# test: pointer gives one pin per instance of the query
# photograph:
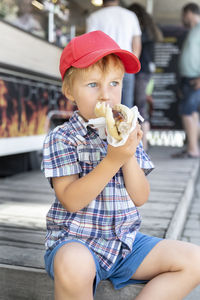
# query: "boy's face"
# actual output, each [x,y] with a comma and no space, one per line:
[95,85]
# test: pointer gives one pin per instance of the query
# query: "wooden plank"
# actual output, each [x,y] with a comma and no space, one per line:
[23,223]
[160,223]
[164,182]
[20,283]
[25,196]
[39,189]
[175,176]
[22,256]
[22,214]
[23,246]
[165,198]
[159,206]
[154,213]
[21,235]
[29,283]
[33,177]
[158,232]
[168,189]
[164,194]
[105,291]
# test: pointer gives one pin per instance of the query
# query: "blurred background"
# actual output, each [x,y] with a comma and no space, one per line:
[59,20]
[33,34]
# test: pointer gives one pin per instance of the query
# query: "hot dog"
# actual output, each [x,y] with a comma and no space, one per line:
[118,119]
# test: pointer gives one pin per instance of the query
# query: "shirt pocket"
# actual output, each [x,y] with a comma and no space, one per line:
[88,156]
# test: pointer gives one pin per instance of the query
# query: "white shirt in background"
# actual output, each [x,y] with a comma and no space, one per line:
[118,22]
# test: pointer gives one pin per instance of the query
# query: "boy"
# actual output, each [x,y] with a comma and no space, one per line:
[92,227]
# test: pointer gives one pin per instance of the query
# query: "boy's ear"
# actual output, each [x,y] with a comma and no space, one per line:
[68,94]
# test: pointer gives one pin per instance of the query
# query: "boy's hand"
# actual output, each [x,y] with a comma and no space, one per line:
[123,153]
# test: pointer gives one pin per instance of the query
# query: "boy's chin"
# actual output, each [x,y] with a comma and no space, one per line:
[87,118]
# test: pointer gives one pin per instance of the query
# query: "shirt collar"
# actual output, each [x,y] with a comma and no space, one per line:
[79,124]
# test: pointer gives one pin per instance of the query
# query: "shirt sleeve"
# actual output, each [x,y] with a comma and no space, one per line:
[136,25]
[144,160]
[59,157]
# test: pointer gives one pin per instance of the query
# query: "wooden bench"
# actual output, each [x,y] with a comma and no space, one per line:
[24,202]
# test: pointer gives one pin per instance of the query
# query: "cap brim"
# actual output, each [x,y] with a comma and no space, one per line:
[130,61]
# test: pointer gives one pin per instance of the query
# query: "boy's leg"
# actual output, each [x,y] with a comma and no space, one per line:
[74,272]
[172,268]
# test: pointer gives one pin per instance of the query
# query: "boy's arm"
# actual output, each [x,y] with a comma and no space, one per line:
[135,181]
[75,193]
[137,45]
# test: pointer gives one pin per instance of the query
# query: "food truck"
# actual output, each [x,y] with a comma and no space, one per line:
[30,93]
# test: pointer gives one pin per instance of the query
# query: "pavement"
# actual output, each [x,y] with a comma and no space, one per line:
[191,230]
[172,211]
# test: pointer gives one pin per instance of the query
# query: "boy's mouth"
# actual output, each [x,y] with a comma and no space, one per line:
[107,103]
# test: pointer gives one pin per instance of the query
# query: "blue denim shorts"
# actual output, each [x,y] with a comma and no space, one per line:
[190,101]
[123,268]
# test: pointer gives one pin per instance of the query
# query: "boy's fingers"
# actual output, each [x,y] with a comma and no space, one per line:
[140,134]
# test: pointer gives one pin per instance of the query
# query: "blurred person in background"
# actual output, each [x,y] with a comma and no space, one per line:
[190,81]
[150,35]
[122,25]
[8,10]
[26,20]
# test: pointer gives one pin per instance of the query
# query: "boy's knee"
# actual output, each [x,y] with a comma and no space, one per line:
[194,260]
[74,266]
[189,259]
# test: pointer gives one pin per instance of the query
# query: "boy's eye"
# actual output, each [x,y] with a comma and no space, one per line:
[114,83]
[92,84]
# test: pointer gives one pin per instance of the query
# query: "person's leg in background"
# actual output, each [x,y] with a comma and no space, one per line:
[199,128]
[145,128]
[189,111]
[141,82]
[191,126]
[190,118]
[128,90]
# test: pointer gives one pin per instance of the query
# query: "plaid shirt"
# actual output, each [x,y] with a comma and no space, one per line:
[107,224]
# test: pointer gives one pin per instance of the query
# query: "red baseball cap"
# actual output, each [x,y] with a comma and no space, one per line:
[86,49]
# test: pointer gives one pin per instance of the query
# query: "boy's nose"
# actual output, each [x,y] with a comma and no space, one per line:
[104,95]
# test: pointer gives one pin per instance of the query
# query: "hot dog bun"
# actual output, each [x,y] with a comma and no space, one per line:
[100,109]
[118,119]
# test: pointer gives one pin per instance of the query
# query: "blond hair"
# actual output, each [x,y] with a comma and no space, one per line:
[104,64]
